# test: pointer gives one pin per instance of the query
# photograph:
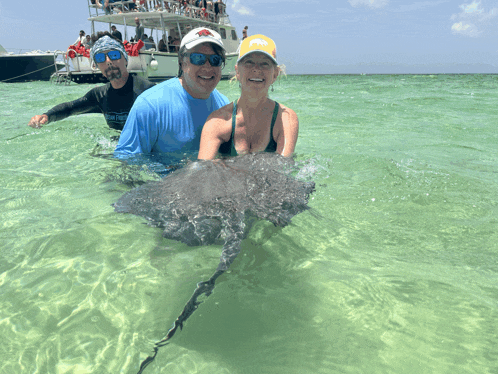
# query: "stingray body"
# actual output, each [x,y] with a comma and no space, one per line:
[206,202]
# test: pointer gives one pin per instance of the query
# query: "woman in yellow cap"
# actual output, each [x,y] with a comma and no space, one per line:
[254,122]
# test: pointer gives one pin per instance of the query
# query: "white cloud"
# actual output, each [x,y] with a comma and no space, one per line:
[236,6]
[375,4]
[466,29]
[460,27]
[245,11]
[472,7]
[473,20]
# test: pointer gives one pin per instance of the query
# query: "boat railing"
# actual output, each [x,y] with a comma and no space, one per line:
[172,7]
[61,77]
[65,58]
[95,7]
[79,62]
[74,63]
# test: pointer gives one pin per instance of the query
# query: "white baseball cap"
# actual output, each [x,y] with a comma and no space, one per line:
[201,35]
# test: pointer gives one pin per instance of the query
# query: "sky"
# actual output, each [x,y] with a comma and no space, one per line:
[313,36]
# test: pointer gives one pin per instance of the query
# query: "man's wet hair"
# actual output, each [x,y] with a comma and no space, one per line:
[182,55]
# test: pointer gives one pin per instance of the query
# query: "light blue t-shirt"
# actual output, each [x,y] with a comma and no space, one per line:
[166,118]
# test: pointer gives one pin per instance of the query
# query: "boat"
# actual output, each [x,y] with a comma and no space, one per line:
[19,66]
[152,64]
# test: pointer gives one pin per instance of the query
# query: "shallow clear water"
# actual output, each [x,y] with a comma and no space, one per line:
[394,270]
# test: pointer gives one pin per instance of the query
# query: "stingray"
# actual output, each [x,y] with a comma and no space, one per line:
[209,202]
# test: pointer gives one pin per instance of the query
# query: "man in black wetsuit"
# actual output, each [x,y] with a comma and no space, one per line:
[114,99]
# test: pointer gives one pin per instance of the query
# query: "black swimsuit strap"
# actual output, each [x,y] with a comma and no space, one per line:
[233,151]
[272,144]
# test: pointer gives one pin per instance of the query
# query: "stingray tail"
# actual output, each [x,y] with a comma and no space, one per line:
[233,239]
[206,288]
[231,249]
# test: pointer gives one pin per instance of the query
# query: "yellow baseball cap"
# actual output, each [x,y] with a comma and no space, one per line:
[258,43]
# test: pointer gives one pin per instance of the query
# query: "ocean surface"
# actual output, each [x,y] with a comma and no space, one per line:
[394,269]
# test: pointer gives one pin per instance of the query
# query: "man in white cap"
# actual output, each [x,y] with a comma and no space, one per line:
[170,116]
[114,99]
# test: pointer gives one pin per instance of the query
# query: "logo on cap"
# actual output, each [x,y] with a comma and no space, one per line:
[205,33]
[260,42]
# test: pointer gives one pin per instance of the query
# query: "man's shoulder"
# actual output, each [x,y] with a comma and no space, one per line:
[99,90]
[142,83]
[162,90]
[163,95]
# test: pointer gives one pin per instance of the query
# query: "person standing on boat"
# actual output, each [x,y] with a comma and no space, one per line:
[161,46]
[139,30]
[254,122]
[81,38]
[151,42]
[169,117]
[109,8]
[218,9]
[147,43]
[244,36]
[116,33]
[89,42]
[114,99]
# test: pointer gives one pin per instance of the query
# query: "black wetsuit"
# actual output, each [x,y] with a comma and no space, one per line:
[228,148]
[114,104]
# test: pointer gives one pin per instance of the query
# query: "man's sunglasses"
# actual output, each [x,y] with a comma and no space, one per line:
[201,58]
[113,55]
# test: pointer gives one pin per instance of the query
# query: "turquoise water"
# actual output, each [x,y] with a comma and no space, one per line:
[394,270]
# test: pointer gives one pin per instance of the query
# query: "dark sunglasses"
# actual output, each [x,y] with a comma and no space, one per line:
[201,58]
[113,55]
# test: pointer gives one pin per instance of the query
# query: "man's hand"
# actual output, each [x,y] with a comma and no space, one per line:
[38,120]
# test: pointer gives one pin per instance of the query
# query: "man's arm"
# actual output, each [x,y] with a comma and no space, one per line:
[85,104]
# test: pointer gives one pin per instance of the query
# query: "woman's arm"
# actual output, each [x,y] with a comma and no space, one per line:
[287,136]
[216,131]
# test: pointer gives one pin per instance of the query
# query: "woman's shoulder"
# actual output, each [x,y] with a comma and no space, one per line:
[219,124]
[285,109]
[287,113]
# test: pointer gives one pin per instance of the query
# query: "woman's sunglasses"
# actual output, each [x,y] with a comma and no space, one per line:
[201,58]
[113,55]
